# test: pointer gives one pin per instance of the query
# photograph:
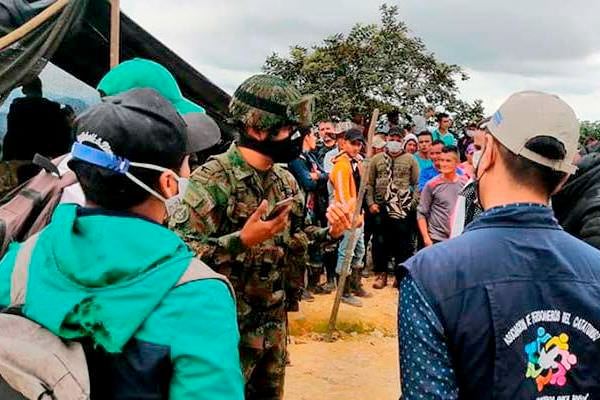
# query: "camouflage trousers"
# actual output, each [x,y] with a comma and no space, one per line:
[263,351]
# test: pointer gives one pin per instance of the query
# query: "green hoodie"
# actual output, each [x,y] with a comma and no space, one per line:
[111,276]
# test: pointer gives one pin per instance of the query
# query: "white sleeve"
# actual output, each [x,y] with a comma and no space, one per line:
[457,218]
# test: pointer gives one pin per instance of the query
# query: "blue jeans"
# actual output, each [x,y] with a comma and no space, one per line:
[358,252]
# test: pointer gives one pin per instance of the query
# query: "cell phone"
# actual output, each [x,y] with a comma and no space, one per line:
[278,208]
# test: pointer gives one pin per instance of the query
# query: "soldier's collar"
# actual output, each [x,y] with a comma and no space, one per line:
[241,169]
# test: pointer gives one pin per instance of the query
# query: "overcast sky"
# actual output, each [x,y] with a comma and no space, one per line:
[505,46]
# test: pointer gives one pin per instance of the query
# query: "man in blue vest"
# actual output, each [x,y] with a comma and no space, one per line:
[508,310]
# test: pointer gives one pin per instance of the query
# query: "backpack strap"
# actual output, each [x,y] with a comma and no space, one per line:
[198,271]
[20,273]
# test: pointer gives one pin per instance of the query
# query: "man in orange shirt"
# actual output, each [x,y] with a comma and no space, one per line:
[345,178]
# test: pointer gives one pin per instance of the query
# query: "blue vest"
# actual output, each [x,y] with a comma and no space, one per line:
[519,300]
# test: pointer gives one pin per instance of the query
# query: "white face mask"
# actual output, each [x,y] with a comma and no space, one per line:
[470,133]
[394,147]
[120,165]
[173,203]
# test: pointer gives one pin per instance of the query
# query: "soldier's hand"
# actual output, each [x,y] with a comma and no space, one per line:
[339,217]
[256,231]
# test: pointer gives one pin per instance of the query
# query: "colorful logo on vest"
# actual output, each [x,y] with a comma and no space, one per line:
[549,359]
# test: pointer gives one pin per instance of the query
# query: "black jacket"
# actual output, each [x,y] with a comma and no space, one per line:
[577,205]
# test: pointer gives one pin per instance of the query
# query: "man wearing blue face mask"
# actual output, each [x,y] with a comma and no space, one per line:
[391,193]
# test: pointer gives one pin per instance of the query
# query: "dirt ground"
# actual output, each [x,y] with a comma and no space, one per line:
[361,364]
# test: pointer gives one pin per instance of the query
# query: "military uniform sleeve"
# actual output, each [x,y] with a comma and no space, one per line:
[201,224]
[302,235]
[306,233]
[297,244]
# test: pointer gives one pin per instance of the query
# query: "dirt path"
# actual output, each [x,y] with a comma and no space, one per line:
[361,364]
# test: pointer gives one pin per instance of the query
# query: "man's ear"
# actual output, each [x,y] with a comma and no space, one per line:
[168,185]
[490,155]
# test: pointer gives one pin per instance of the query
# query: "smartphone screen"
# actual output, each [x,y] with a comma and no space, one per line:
[278,208]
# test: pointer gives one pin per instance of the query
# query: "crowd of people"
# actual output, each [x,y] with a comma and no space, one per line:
[412,187]
[175,270]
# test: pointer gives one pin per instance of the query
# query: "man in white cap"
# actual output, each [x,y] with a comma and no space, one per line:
[509,309]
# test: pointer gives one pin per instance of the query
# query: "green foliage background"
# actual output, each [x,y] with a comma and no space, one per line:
[589,129]
[378,65]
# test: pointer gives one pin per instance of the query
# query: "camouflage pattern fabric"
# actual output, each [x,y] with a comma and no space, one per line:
[264,102]
[221,195]
[264,359]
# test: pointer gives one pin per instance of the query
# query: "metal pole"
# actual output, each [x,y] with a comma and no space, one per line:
[115,32]
[353,237]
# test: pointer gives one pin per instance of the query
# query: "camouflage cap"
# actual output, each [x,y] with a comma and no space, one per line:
[266,101]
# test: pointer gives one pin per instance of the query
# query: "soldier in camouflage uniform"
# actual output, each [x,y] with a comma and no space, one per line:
[226,201]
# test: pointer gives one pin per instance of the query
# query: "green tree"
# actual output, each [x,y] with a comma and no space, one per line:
[589,129]
[378,65]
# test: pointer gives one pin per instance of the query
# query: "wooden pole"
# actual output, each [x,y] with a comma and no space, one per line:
[115,32]
[32,24]
[353,233]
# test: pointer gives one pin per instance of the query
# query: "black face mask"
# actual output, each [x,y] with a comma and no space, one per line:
[282,151]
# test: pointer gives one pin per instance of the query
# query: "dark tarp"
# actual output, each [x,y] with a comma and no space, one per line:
[25,58]
[85,52]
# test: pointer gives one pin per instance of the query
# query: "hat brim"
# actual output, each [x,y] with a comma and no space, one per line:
[352,140]
[185,106]
[202,132]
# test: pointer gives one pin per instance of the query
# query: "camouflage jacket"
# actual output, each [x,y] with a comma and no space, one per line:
[221,195]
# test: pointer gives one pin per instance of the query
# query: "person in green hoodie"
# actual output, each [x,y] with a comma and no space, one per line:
[108,274]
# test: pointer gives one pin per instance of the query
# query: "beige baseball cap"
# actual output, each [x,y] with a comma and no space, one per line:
[528,114]
[378,142]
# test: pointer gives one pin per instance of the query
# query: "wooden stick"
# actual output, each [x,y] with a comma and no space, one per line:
[32,24]
[353,233]
[115,32]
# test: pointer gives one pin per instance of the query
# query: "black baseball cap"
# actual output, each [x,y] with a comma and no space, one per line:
[395,131]
[353,135]
[139,125]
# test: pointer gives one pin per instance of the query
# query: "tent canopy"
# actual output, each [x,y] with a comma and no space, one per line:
[86,56]
[85,51]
